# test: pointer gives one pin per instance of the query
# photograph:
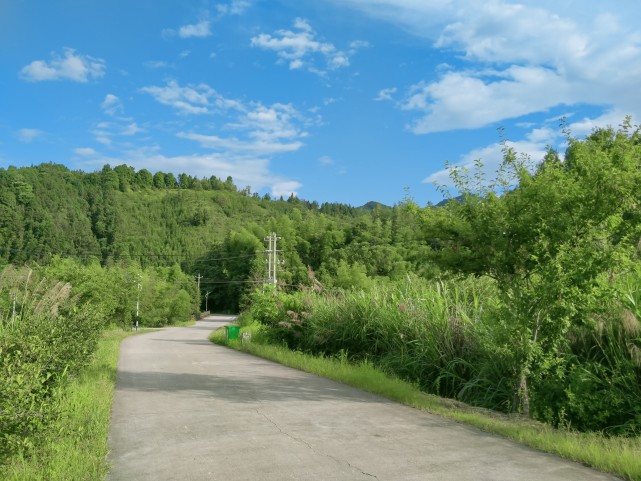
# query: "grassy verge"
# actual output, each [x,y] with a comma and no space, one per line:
[619,456]
[75,447]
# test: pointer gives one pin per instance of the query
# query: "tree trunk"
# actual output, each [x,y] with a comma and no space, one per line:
[524,397]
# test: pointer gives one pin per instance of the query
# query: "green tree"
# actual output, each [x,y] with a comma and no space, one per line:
[551,237]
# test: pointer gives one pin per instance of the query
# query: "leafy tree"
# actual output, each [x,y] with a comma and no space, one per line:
[170,181]
[159,180]
[126,176]
[552,243]
[144,179]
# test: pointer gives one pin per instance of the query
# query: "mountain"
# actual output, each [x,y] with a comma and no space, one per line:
[207,226]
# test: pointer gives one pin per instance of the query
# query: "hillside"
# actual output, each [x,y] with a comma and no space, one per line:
[122,216]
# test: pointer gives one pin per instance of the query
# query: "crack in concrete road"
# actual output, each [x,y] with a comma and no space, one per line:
[305,443]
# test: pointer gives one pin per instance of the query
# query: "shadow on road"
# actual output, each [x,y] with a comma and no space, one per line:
[238,389]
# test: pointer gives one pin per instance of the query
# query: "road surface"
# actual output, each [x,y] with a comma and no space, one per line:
[188,410]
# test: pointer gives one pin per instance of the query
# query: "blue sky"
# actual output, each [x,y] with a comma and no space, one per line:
[334,100]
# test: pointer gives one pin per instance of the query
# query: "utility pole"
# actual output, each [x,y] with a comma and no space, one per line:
[138,300]
[272,257]
[198,278]
[275,256]
[269,258]
[206,299]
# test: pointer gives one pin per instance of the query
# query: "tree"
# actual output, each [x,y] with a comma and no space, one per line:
[551,236]
[144,179]
[159,180]
[126,176]
[170,181]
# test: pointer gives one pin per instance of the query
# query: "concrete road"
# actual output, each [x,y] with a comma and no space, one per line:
[186,409]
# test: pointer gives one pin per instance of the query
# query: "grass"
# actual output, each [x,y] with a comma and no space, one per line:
[75,446]
[616,455]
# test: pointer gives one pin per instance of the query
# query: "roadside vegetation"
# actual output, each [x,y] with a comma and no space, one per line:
[520,294]
[58,348]
[530,307]
[409,350]
[74,444]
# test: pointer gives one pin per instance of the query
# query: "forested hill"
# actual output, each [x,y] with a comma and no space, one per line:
[208,226]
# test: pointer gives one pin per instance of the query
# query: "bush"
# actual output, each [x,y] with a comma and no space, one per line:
[49,337]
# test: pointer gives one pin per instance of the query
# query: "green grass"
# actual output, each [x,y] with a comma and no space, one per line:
[615,455]
[75,446]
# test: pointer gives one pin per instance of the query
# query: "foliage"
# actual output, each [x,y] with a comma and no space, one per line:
[49,330]
[48,336]
[554,236]
[537,310]
[208,226]
[74,445]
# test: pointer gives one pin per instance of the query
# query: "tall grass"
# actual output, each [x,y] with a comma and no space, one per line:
[453,338]
[431,333]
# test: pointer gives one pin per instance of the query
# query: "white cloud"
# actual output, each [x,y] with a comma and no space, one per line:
[612,118]
[29,135]
[271,123]
[266,131]
[298,48]
[104,140]
[196,99]
[356,45]
[469,100]
[286,189]
[235,7]
[520,58]
[201,29]
[156,64]
[131,129]
[385,94]
[534,146]
[69,66]
[85,151]
[326,160]
[112,105]
[260,132]
[233,144]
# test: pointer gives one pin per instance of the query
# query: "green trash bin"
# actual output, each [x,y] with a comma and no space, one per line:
[232,332]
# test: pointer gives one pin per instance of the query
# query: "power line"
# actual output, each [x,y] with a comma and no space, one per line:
[119,255]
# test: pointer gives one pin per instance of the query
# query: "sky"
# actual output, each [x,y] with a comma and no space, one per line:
[332,100]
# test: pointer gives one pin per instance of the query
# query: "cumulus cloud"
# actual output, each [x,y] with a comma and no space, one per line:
[85,151]
[465,100]
[226,144]
[300,47]
[385,94]
[201,29]
[29,135]
[235,7]
[518,58]
[112,105]
[131,129]
[266,131]
[192,99]
[286,189]
[68,66]
[258,133]
[534,147]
